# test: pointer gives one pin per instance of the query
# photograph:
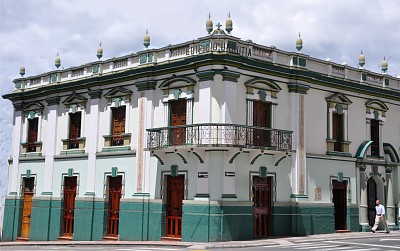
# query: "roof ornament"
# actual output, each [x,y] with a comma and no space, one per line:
[209,24]
[99,52]
[146,39]
[299,43]
[384,65]
[361,60]
[229,24]
[22,71]
[57,62]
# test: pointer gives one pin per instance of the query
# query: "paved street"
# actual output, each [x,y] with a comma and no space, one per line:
[97,248]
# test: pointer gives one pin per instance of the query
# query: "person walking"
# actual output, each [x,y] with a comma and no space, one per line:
[380,216]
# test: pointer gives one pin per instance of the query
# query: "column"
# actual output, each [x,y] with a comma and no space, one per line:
[16,148]
[202,188]
[50,147]
[364,223]
[228,178]
[229,99]
[297,118]
[203,109]
[91,143]
[390,208]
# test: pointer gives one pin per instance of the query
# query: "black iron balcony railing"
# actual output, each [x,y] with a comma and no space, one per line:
[213,135]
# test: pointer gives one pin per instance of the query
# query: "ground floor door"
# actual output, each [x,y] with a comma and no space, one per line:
[114,197]
[175,195]
[340,204]
[69,206]
[262,194]
[371,190]
[27,207]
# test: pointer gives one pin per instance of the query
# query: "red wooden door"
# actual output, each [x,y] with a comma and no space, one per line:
[262,194]
[261,114]
[32,134]
[114,197]
[178,117]
[27,208]
[175,194]
[69,205]
[74,129]
[339,203]
[118,125]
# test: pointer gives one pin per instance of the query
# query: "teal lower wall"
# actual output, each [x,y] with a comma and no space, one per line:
[145,220]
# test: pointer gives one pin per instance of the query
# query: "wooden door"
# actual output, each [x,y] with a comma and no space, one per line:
[262,194]
[261,113]
[340,204]
[114,197]
[32,134]
[27,208]
[337,124]
[178,118]
[175,194]
[371,190]
[69,205]
[74,129]
[118,125]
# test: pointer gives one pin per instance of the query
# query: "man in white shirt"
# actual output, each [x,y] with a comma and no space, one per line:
[380,216]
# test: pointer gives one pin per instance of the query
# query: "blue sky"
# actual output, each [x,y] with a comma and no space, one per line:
[33,32]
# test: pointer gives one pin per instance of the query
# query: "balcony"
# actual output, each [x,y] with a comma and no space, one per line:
[219,135]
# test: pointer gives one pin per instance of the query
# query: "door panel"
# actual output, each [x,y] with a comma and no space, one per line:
[74,129]
[178,117]
[118,125]
[337,131]
[339,201]
[175,195]
[371,190]
[114,197]
[32,134]
[262,194]
[261,113]
[27,208]
[69,205]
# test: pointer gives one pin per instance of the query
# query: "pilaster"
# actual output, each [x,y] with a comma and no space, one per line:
[390,207]
[204,111]
[364,223]
[16,149]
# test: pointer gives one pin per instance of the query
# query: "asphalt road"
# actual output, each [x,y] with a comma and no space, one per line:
[385,243]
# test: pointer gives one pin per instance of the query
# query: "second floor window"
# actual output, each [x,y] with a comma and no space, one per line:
[261,118]
[178,118]
[74,129]
[337,131]
[32,134]
[375,137]
[118,125]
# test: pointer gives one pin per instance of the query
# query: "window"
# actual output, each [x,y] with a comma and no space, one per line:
[337,124]
[375,137]
[337,116]
[261,119]
[118,125]
[74,129]
[178,118]
[32,134]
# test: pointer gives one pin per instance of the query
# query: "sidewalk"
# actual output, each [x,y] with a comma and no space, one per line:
[208,245]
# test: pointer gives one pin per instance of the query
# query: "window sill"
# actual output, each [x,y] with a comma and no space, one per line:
[341,154]
[116,148]
[72,151]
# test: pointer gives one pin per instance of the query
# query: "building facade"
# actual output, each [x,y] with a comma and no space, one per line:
[211,140]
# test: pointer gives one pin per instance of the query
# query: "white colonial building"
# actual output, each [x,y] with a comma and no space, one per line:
[209,140]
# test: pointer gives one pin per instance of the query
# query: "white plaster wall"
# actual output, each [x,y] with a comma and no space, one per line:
[319,172]
[37,168]
[216,99]
[62,127]
[391,127]
[125,164]
[282,109]
[357,125]
[61,167]
[316,121]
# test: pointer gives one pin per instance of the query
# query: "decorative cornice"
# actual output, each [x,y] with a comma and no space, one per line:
[95,94]
[146,85]
[298,87]
[18,106]
[206,75]
[53,101]
[230,76]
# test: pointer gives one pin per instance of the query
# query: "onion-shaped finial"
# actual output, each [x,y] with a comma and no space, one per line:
[361,60]
[99,52]
[57,62]
[384,65]
[209,24]
[299,43]
[229,24]
[146,40]
[22,71]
